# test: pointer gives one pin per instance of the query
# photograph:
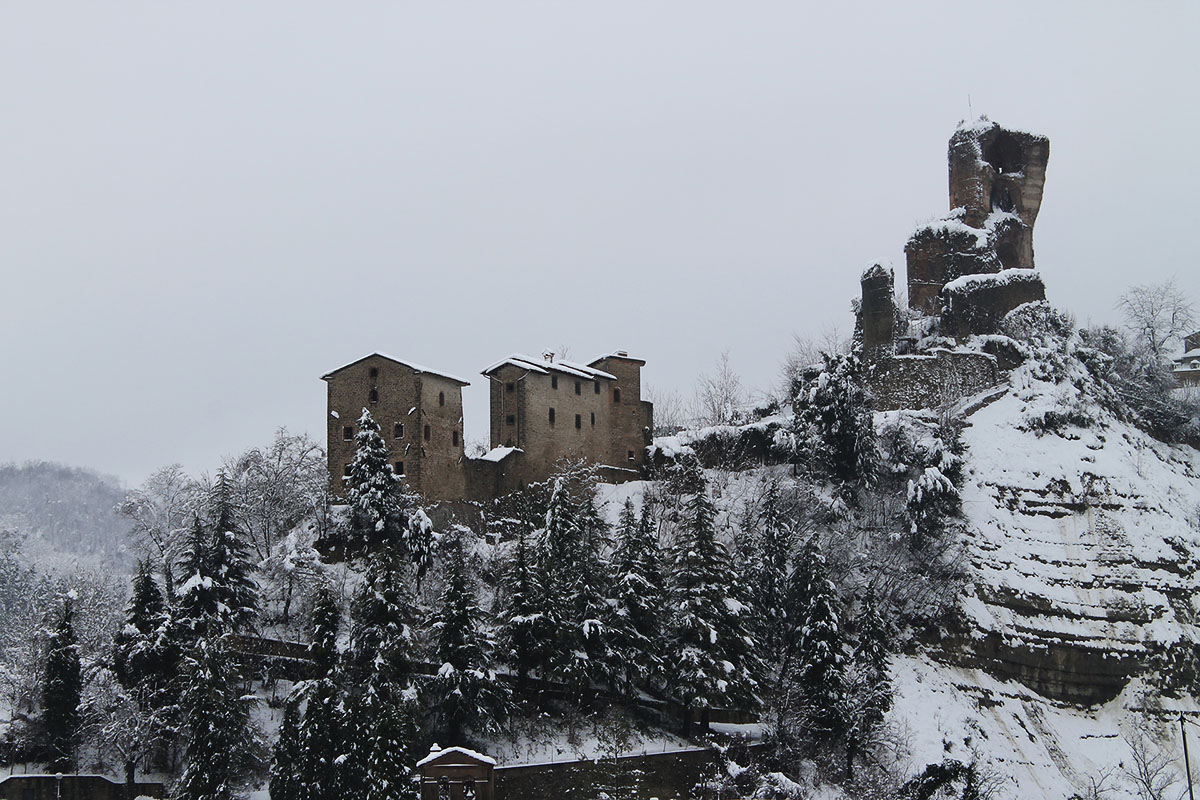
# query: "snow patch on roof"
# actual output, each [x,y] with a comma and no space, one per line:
[968,282]
[413,366]
[435,754]
[499,453]
[544,367]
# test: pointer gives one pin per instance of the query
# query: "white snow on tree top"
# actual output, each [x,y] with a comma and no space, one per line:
[462,751]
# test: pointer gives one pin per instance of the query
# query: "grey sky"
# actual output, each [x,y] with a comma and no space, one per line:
[205,206]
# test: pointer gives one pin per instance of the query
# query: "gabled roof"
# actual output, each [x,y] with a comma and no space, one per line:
[1189,355]
[621,354]
[402,362]
[459,752]
[544,367]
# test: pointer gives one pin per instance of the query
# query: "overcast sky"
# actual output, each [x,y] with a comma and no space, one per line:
[206,206]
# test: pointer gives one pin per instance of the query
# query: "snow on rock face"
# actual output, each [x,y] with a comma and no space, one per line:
[1081,541]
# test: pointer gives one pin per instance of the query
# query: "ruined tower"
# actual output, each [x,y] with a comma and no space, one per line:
[996,181]
[877,313]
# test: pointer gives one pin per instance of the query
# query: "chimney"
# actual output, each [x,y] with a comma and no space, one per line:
[623,353]
[549,356]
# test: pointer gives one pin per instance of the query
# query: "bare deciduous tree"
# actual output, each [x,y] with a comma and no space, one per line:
[1157,314]
[719,395]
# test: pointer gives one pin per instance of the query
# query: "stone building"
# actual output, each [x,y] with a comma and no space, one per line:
[1187,366]
[542,411]
[420,415]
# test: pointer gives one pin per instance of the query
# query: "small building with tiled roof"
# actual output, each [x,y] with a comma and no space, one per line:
[1187,366]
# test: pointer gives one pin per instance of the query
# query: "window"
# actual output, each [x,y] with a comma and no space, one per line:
[511,419]
[553,381]
[455,436]
[595,387]
[552,416]
[374,372]
[578,421]
[348,433]
[374,395]
[631,457]
[510,387]
[399,467]
[441,398]
[427,433]
[616,395]
[578,387]
[398,430]
[346,471]
[593,419]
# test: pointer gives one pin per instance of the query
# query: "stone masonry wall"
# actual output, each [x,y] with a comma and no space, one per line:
[929,381]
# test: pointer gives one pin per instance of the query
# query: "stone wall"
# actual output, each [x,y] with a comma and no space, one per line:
[929,381]
[72,787]
[938,253]
[877,313]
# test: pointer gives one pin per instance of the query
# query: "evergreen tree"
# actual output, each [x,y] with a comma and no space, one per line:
[869,684]
[138,656]
[380,723]
[559,570]
[382,510]
[197,604]
[287,754]
[522,622]
[834,425]
[711,655]
[230,563]
[769,573]
[326,619]
[61,688]
[815,683]
[223,748]
[637,598]
[465,689]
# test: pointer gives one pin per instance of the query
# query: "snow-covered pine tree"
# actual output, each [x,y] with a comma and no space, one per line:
[286,755]
[592,610]
[231,564]
[710,655]
[381,509]
[196,593]
[223,748]
[869,684]
[137,655]
[306,764]
[559,544]
[61,688]
[834,427]
[638,601]
[465,689]
[522,626]
[380,723]
[769,576]
[815,681]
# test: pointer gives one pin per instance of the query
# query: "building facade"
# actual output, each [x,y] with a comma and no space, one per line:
[542,412]
[1187,366]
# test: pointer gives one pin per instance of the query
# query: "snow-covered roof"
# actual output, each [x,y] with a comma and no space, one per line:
[462,751]
[403,362]
[545,367]
[968,282]
[499,453]
[1189,355]
[621,354]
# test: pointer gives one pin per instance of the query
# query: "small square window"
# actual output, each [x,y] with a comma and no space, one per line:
[578,387]
[455,437]
[427,433]
[374,395]
[616,395]
[595,387]
[399,467]
[346,471]
[578,421]
[398,430]
[347,433]
[552,416]
[553,381]
[511,419]
[510,387]
[374,372]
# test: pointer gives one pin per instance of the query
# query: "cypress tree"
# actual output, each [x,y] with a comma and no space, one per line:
[61,688]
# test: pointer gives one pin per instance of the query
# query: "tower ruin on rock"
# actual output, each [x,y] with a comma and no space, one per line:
[966,272]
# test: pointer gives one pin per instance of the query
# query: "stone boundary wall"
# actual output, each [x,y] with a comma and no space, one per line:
[72,787]
[929,381]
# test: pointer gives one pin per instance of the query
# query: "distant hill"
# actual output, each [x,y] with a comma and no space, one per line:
[69,509]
